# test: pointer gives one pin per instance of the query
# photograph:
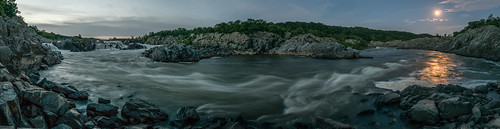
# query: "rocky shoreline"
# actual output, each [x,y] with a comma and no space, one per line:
[482,42]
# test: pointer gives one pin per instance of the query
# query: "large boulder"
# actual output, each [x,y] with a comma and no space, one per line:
[175,52]
[140,111]
[424,111]
[77,44]
[187,115]
[49,85]
[10,110]
[71,118]
[38,122]
[453,107]
[48,100]
[101,110]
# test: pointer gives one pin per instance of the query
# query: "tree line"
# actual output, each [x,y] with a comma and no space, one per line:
[362,34]
[481,23]
[8,8]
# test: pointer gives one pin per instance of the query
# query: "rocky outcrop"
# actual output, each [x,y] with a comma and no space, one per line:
[140,111]
[218,44]
[77,44]
[176,52]
[482,42]
[318,47]
[21,49]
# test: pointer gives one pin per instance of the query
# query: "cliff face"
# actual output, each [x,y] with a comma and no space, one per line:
[21,49]
[481,42]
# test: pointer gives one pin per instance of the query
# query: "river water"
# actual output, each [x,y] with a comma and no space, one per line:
[266,88]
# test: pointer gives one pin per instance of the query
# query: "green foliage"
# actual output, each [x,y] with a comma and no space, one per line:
[364,35]
[48,35]
[481,23]
[8,8]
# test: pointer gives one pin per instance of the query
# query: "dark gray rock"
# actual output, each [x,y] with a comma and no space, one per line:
[32,111]
[450,89]
[176,52]
[71,118]
[326,123]
[79,95]
[5,75]
[103,101]
[62,126]
[134,46]
[101,110]
[103,121]
[77,44]
[483,89]
[187,115]
[89,125]
[49,85]
[10,110]
[50,117]
[494,104]
[424,111]
[453,107]
[415,90]
[140,111]
[48,100]
[38,122]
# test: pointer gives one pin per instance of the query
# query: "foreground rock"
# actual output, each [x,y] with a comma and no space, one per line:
[446,106]
[176,52]
[481,42]
[139,111]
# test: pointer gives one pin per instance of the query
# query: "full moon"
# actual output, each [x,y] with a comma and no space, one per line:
[437,12]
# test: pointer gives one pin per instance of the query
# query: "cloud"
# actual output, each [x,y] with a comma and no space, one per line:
[470,5]
[410,21]
[433,20]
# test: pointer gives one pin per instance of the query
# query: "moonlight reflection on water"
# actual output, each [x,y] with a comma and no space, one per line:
[440,68]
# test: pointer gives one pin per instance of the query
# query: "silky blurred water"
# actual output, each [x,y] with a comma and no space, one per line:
[264,87]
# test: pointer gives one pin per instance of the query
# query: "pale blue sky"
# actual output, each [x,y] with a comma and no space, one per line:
[136,18]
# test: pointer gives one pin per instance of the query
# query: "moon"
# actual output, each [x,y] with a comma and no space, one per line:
[437,12]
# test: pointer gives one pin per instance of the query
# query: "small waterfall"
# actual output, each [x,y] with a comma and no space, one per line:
[111,45]
[50,46]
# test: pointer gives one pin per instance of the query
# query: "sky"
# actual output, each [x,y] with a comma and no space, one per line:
[93,18]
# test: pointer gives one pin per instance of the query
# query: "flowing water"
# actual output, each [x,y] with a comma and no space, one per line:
[266,88]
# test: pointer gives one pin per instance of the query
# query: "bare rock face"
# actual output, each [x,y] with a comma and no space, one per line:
[482,42]
[318,47]
[21,48]
[10,110]
[176,52]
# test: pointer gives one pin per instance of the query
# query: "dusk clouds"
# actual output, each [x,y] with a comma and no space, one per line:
[136,18]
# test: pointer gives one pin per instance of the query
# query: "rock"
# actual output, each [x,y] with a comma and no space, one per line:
[50,117]
[387,99]
[415,90]
[48,100]
[62,126]
[79,95]
[38,122]
[140,111]
[424,111]
[5,75]
[463,118]
[366,112]
[89,125]
[134,46]
[483,89]
[453,107]
[476,112]
[101,110]
[176,52]
[77,44]
[103,101]
[325,123]
[187,115]
[32,111]
[450,89]
[318,47]
[10,110]
[71,118]
[494,104]
[480,42]
[103,121]
[49,85]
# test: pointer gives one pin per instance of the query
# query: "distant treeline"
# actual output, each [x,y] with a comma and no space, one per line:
[364,35]
[481,23]
[50,35]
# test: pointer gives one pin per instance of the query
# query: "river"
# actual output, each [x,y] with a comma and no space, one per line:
[263,87]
